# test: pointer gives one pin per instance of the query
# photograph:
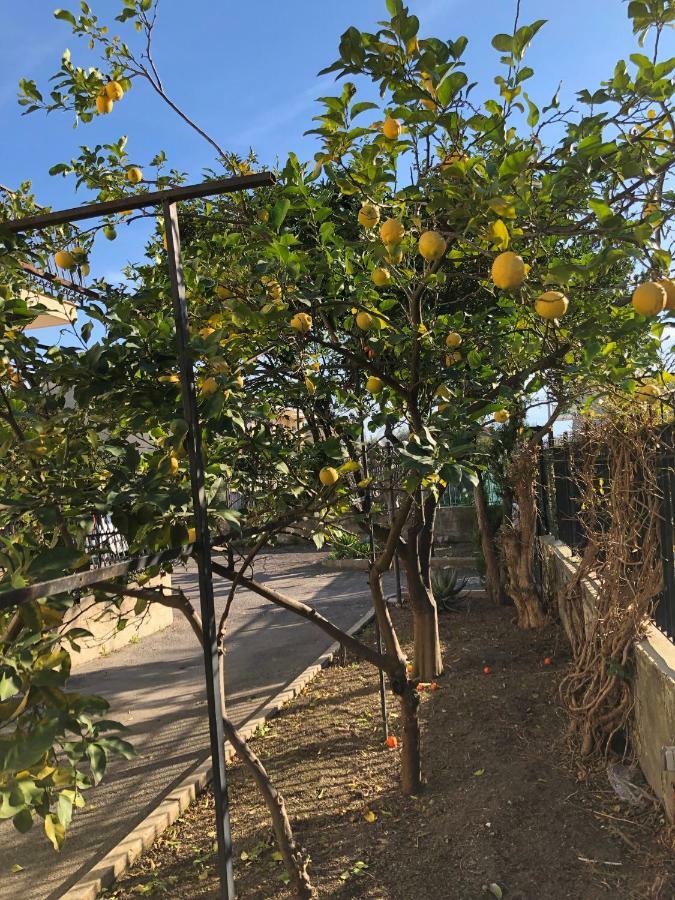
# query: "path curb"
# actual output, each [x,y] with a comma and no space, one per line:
[123,855]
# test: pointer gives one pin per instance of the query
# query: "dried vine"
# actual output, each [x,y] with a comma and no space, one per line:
[615,468]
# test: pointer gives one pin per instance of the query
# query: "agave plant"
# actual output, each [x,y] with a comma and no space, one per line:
[447,589]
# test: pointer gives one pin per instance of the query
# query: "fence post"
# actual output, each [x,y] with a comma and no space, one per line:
[664,614]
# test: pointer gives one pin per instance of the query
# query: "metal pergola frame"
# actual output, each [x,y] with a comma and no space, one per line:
[168,200]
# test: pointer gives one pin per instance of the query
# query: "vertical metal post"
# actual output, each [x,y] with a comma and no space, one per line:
[392,509]
[371,541]
[203,551]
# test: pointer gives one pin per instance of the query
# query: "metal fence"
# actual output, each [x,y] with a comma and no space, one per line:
[560,510]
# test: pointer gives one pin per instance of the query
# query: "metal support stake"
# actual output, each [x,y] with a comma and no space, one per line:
[203,551]
[392,510]
[371,541]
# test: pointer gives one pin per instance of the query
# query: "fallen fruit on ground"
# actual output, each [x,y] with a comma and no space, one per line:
[380,276]
[134,175]
[432,245]
[364,320]
[114,90]
[328,476]
[392,742]
[548,661]
[453,340]
[508,270]
[391,129]
[374,384]
[369,215]
[487,670]
[551,305]
[301,322]
[649,298]
[392,232]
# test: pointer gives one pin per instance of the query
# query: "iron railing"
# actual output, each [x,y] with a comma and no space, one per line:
[560,509]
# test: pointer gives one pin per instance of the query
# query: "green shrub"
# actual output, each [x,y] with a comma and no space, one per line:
[345,545]
[447,589]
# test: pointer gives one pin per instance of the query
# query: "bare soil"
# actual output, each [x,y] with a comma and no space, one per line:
[505,809]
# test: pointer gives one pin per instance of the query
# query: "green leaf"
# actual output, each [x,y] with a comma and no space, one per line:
[21,751]
[450,86]
[279,213]
[515,163]
[395,7]
[23,821]
[503,43]
[10,684]
[97,761]
[65,16]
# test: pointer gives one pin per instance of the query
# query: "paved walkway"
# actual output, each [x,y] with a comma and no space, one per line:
[156,688]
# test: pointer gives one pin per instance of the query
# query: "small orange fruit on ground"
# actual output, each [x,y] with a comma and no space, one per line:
[649,298]
[391,129]
[104,105]
[423,685]
[551,305]
[328,476]
[487,670]
[433,686]
[508,270]
[114,90]
[392,742]
[548,660]
[134,175]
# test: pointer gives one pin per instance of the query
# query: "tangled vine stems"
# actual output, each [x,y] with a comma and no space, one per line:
[616,470]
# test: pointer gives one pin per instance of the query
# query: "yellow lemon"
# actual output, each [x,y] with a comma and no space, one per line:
[364,320]
[369,215]
[391,129]
[380,276]
[169,379]
[392,232]
[104,105]
[114,90]
[209,386]
[328,476]
[453,340]
[301,322]
[669,287]
[501,416]
[174,465]
[508,270]
[374,384]
[64,259]
[649,298]
[432,245]
[134,175]
[551,305]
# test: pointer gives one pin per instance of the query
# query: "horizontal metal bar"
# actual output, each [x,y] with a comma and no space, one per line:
[140,201]
[87,578]
[60,282]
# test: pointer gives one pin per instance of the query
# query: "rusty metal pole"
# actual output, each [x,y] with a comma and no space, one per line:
[202,551]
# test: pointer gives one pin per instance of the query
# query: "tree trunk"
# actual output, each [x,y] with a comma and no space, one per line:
[493,577]
[411,760]
[518,535]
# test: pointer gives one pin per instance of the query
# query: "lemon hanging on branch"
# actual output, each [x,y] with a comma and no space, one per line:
[364,320]
[392,232]
[669,287]
[501,416]
[508,270]
[104,105]
[432,245]
[649,298]
[134,175]
[391,129]
[328,476]
[301,322]
[551,305]
[453,340]
[380,276]
[369,215]
[374,384]
[114,90]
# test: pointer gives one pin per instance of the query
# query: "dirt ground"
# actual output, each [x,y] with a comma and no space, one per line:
[506,812]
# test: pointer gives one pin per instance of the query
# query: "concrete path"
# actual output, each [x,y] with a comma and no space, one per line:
[156,688]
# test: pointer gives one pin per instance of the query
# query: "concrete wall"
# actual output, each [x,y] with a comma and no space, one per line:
[654,683]
[102,620]
[456,524]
